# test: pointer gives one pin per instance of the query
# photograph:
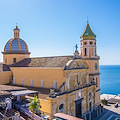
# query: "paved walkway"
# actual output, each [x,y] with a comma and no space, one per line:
[110,113]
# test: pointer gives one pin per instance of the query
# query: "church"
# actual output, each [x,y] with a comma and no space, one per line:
[67,84]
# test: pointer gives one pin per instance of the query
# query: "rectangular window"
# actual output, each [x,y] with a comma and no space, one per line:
[5,60]
[31,82]
[42,83]
[14,60]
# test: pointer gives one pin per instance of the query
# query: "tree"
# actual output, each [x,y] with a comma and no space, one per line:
[34,105]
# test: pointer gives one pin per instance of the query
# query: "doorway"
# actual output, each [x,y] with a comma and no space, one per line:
[78,108]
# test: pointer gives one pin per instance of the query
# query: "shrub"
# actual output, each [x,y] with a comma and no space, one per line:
[104,102]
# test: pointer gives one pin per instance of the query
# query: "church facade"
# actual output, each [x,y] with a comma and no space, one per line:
[68,84]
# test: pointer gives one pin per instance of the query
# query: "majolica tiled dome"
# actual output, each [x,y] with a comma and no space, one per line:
[16,44]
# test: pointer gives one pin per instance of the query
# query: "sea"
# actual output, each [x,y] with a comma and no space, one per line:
[110,79]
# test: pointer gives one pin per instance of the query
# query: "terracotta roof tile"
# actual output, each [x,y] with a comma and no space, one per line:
[4,67]
[57,61]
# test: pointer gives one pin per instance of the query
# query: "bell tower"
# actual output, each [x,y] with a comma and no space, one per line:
[89,53]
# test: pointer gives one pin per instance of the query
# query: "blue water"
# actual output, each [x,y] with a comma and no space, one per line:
[110,79]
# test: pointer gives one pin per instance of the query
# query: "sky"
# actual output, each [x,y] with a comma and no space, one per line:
[53,27]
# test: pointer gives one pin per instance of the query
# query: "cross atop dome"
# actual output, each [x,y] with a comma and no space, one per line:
[76,46]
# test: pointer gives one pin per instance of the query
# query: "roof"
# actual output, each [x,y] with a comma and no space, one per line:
[9,113]
[88,33]
[10,88]
[107,96]
[4,93]
[16,44]
[4,67]
[40,90]
[57,61]
[66,117]
[43,96]
[113,100]
[23,92]
[63,62]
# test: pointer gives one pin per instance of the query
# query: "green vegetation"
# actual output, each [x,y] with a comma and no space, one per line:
[104,102]
[34,105]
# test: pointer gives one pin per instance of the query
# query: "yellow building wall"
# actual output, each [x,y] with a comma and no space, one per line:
[51,105]
[74,76]
[45,105]
[91,64]
[49,75]
[10,57]
[5,77]
[97,98]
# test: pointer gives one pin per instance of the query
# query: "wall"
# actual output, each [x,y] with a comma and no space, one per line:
[5,77]
[97,98]
[76,78]
[10,57]
[51,105]
[91,64]
[49,75]
[89,47]
[45,105]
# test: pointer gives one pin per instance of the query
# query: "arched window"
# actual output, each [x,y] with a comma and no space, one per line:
[85,51]
[96,82]
[91,42]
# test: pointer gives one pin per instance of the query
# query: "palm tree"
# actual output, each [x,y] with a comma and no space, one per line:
[34,105]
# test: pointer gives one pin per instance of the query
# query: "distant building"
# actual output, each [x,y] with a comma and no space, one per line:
[75,79]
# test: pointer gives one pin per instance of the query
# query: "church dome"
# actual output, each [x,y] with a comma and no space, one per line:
[16,44]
